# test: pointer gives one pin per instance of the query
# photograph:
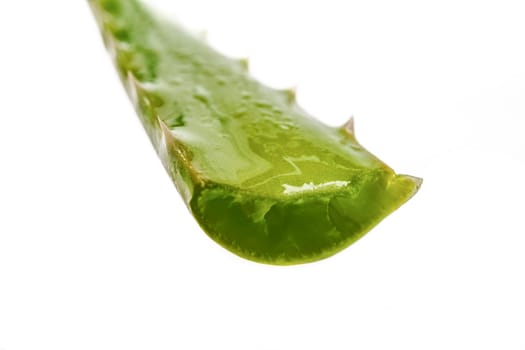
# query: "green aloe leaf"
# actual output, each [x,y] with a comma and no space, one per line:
[262,177]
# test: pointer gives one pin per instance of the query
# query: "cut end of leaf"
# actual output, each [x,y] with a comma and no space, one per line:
[316,223]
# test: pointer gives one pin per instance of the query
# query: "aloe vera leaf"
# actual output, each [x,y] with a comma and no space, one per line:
[262,177]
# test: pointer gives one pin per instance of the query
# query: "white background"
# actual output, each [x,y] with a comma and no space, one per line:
[97,250]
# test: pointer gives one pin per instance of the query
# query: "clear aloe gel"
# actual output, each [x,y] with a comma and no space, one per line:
[263,178]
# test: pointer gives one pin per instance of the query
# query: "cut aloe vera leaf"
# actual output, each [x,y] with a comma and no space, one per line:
[262,177]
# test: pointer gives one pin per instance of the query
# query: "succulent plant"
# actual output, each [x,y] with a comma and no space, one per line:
[263,178]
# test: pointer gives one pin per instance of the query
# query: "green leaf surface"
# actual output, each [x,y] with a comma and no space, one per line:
[263,178]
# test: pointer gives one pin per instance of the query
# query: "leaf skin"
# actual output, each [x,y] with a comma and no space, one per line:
[263,178]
